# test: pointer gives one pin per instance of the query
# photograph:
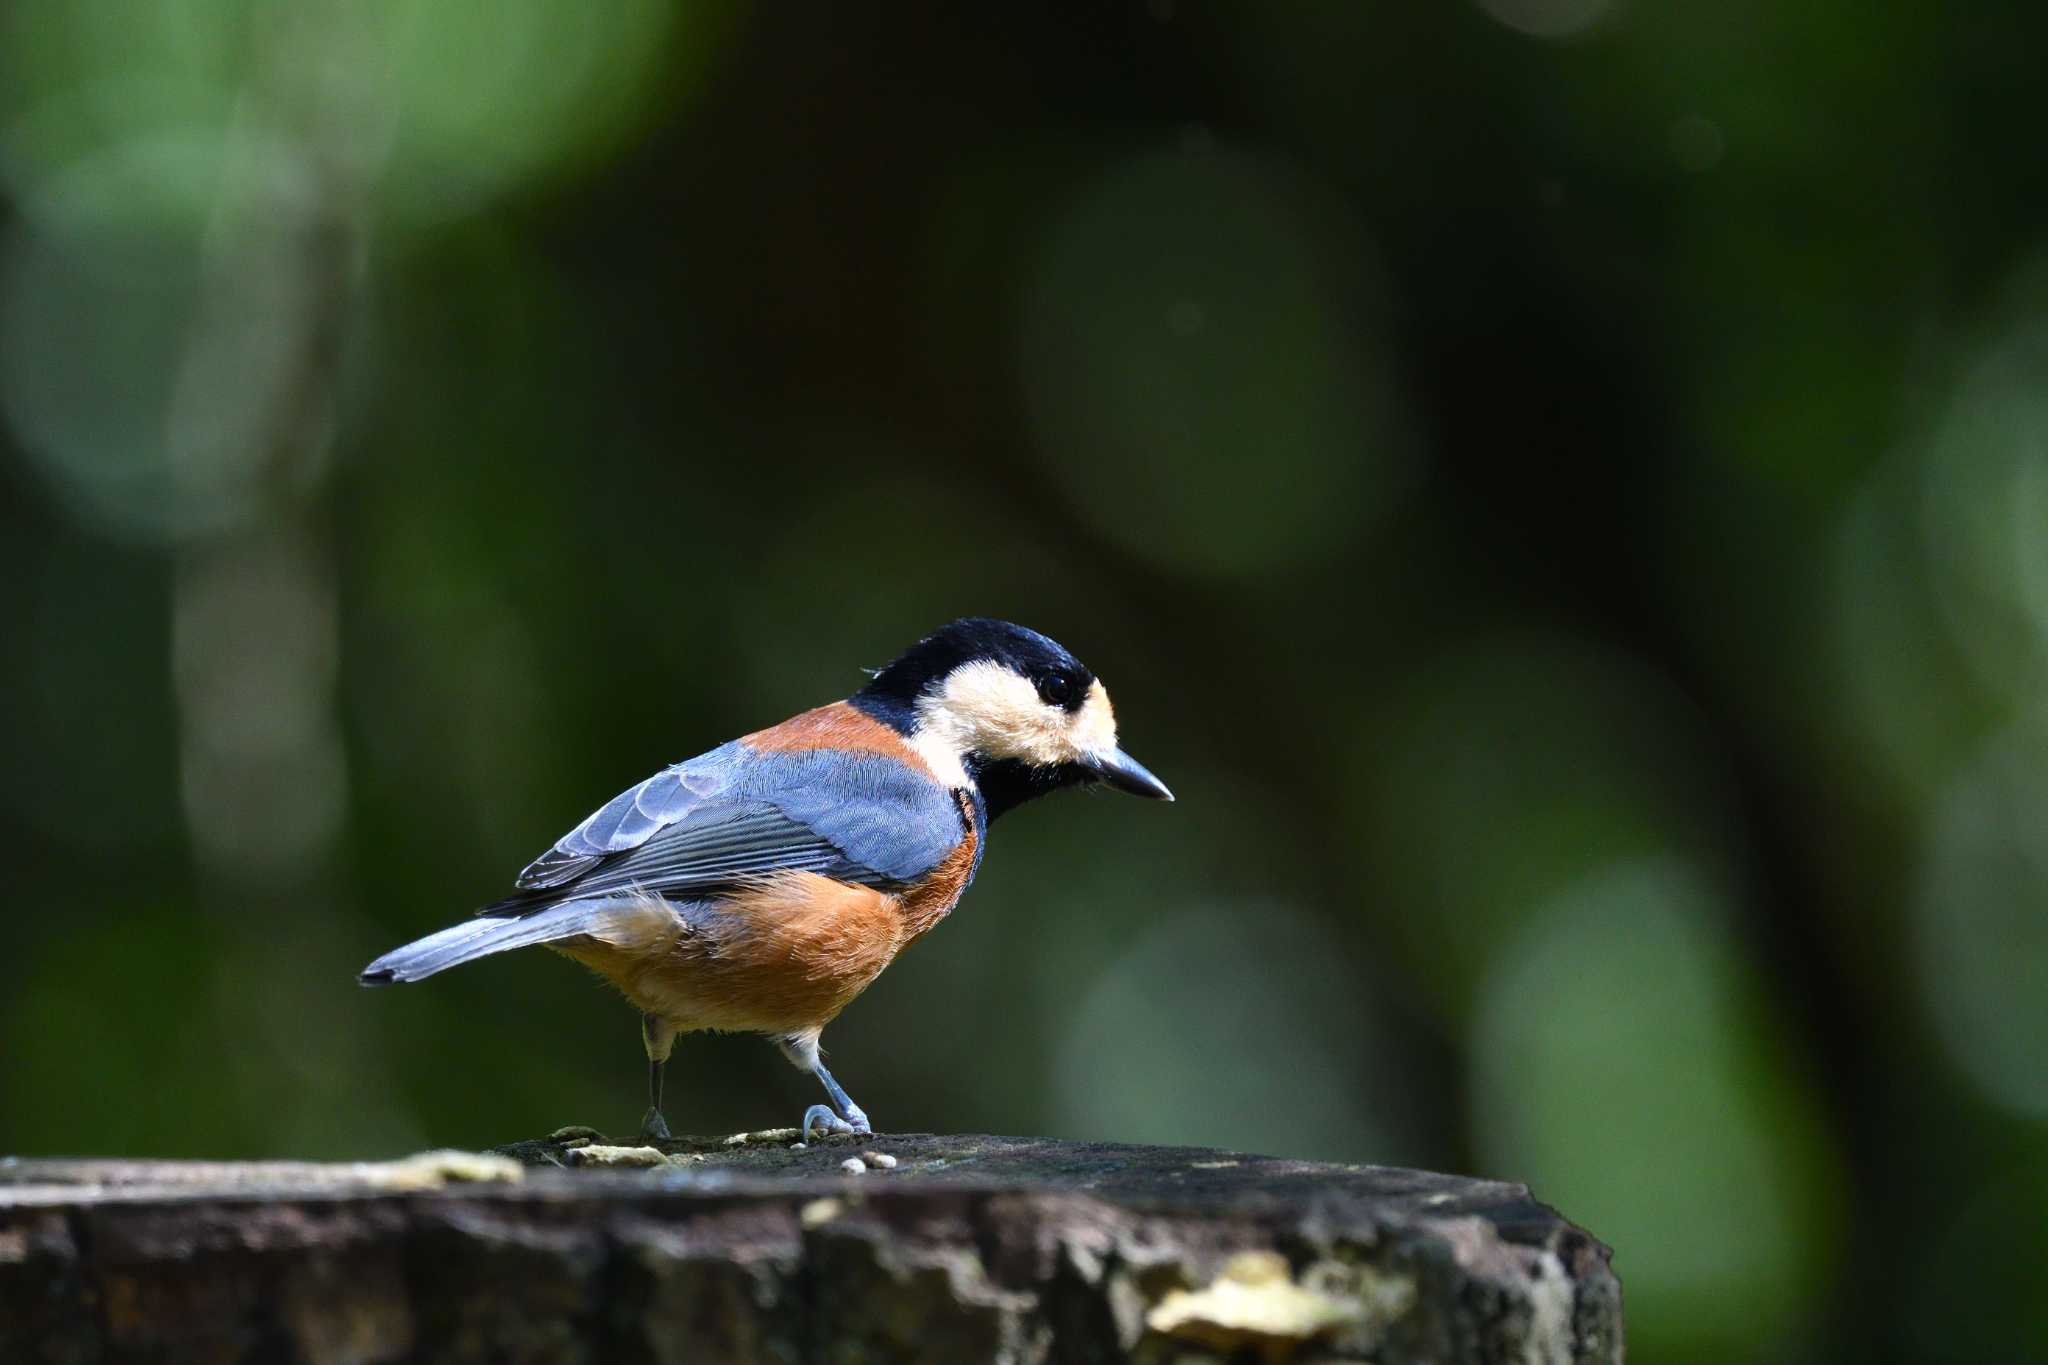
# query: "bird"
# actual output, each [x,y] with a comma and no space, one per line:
[764,884]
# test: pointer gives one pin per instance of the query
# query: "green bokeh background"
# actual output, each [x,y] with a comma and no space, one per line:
[1557,487]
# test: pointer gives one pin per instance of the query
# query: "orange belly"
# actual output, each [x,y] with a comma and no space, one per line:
[783,957]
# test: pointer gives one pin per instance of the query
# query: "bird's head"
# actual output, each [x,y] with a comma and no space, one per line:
[1008,709]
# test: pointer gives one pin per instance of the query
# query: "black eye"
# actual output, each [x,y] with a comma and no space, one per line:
[1055,689]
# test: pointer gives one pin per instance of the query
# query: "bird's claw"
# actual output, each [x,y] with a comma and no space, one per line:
[823,1118]
[818,1115]
[654,1127]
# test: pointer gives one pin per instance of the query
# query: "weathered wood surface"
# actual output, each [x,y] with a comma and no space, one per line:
[970,1249]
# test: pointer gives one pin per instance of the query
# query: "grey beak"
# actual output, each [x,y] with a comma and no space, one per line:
[1118,769]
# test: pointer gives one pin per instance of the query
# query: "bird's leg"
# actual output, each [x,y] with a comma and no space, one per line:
[844,1116]
[856,1119]
[660,1038]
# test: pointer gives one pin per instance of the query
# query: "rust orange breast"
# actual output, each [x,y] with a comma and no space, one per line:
[934,897]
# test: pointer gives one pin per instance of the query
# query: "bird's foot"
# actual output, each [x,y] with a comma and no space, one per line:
[823,1119]
[654,1128]
[819,1116]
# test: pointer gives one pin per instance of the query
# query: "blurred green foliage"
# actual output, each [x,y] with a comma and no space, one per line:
[1558,488]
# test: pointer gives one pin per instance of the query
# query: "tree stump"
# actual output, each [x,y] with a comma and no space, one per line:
[965,1249]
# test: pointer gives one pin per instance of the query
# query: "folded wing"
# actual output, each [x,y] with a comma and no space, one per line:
[735,814]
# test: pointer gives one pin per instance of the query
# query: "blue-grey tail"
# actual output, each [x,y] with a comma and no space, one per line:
[489,934]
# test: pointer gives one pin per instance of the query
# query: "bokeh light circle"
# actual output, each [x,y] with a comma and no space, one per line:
[1548,18]
[1147,1056]
[147,344]
[434,107]
[1981,919]
[1623,1067]
[1509,767]
[1200,379]
[1984,504]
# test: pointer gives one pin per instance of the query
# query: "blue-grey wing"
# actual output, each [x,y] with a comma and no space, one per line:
[631,818]
[884,815]
[736,813]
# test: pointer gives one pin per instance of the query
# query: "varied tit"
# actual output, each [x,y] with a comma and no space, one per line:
[760,887]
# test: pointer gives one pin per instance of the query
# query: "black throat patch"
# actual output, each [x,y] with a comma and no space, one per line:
[1008,784]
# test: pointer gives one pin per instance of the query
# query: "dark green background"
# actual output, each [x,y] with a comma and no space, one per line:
[1556,486]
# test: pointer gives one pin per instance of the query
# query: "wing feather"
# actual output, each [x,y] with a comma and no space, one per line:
[626,821]
[737,813]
